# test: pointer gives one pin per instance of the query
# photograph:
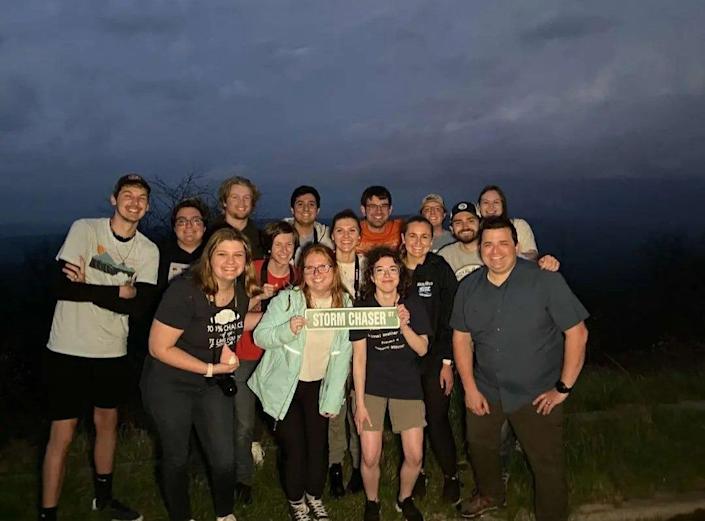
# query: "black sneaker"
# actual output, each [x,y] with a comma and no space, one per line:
[419,491]
[117,511]
[355,484]
[451,489]
[371,511]
[335,475]
[409,510]
[243,494]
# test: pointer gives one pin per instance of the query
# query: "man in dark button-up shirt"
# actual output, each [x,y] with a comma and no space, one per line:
[525,328]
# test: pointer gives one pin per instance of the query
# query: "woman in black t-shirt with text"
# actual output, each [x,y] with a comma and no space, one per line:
[200,316]
[386,377]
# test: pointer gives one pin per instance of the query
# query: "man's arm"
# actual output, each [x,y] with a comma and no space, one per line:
[574,346]
[463,353]
[69,284]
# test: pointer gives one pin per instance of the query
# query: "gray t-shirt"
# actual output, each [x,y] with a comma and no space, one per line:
[462,262]
[517,331]
[82,328]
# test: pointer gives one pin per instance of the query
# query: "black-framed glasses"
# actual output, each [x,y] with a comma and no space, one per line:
[321,268]
[181,222]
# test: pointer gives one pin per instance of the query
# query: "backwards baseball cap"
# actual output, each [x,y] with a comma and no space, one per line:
[463,206]
[433,198]
[131,179]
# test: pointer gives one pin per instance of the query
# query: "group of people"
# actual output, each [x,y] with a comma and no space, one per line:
[229,335]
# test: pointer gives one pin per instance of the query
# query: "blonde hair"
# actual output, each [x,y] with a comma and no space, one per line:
[224,190]
[202,271]
[338,290]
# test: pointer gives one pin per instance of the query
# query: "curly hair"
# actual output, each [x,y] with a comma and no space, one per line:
[374,255]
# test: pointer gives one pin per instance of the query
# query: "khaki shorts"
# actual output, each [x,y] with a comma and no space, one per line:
[405,414]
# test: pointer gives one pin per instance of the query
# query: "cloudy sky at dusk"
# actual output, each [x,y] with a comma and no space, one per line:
[418,95]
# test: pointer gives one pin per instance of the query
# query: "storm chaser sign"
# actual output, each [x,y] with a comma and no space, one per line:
[352,318]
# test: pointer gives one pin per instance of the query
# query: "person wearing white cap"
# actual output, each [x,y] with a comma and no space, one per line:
[434,209]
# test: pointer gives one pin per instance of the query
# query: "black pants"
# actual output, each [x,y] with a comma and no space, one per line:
[176,407]
[303,439]
[438,428]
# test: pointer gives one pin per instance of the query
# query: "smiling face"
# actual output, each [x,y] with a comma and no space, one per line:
[498,251]
[228,262]
[131,203]
[189,227]
[376,211]
[238,204]
[283,248]
[434,212]
[319,273]
[417,239]
[385,275]
[346,235]
[305,209]
[491,204]
[465,226]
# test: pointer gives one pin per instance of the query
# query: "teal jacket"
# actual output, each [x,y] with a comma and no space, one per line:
[277,375]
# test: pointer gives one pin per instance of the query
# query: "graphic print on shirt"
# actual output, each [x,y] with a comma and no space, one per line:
[104,263]
[466,270]
[225,324]
[425,288]
[386,340]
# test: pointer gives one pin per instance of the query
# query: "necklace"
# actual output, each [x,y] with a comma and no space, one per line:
[132,241]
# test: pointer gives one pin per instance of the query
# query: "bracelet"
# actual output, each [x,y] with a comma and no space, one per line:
[209,371]
[446,361]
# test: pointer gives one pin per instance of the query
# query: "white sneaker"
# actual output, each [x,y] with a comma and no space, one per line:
[298,511]
[257,453]
[229,517]
[316,507]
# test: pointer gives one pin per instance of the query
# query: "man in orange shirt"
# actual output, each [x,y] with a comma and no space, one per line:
[377,228]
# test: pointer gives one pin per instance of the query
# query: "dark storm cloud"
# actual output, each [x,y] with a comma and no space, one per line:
[345,95]
[567,26]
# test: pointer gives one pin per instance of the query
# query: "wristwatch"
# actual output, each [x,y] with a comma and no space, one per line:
[563,388]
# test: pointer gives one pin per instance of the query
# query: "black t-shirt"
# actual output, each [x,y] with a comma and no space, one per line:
[173,261]
[206,326]
[392,366]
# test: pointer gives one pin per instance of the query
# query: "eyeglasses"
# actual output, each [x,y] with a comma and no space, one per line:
[181,222]
[374,207]
[392,270]
[321,268]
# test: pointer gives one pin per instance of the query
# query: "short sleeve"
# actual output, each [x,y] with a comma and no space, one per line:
[525,236]
[563,306]
[358,334]
[457,316]
[149,269]
[177,307]
[74,246]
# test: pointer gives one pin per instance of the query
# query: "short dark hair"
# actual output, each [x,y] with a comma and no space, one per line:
[303,190]
[497,223]
[375,191]
[271,230]
[495,188]
[374,255]
[191,202]
[345,214]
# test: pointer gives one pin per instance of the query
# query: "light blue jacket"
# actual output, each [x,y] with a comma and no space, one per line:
[277,375]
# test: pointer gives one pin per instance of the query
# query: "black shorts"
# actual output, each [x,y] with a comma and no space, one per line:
[73,383]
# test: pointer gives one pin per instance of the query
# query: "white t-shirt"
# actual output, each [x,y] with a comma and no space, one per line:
[462,262]
[347,274]
[525,237]
[317,349]
[82,328]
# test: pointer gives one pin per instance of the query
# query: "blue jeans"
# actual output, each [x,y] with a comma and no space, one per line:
[244,422]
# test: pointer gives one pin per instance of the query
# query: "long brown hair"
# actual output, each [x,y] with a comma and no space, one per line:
[202,271]
[338,290]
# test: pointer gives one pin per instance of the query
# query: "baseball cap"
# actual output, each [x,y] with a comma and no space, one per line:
[432,198]
[463,206]
[131,179]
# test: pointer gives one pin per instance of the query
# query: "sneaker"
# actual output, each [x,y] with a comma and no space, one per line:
[477,505]
[451,489]
[298,511]
[409,510]
[371,511]
[117,511]
[419,491]
[229,517]
[355,484]
[243,494]
[257,453]
[316,508]
[335,476]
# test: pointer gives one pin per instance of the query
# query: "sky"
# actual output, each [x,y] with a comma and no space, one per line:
[548,98]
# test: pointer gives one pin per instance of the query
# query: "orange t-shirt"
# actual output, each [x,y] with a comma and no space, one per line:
[389,236]
[246,349]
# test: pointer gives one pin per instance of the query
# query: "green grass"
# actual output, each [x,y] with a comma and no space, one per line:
[644,451]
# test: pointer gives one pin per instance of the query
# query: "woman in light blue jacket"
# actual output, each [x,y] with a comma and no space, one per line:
[301,377]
